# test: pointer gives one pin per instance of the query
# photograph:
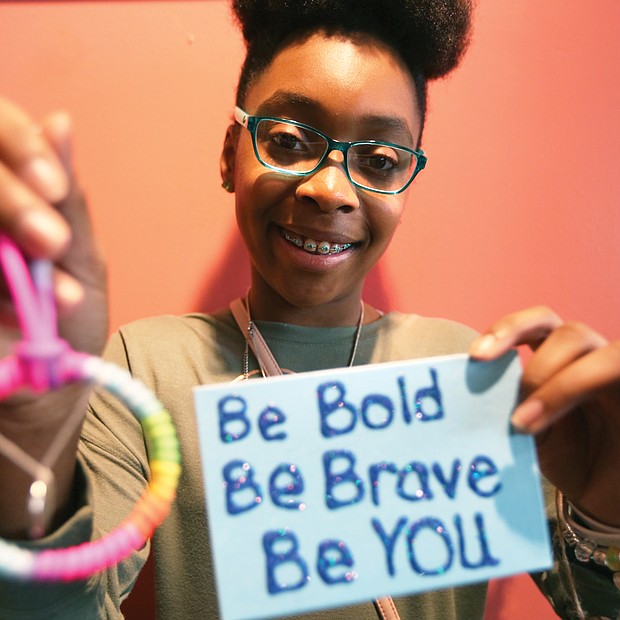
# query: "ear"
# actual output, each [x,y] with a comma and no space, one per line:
[227,159]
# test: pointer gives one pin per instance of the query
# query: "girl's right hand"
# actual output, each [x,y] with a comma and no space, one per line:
[44,211]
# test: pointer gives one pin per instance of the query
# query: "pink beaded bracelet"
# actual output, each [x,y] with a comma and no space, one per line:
[40,362]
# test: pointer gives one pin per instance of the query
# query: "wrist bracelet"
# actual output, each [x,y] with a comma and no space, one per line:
[590,545]
[603,533]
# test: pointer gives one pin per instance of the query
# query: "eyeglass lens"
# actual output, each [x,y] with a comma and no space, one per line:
[287,147]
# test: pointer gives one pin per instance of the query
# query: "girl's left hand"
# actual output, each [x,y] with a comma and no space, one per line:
[571,403]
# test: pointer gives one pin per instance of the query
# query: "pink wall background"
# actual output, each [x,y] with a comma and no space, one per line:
[518,205]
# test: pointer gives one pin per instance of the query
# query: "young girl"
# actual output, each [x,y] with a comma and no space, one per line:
[321,155]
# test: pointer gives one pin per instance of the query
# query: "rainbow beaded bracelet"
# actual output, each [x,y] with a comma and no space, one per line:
[42,361]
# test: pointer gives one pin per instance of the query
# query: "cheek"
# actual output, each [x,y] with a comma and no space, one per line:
[387,216]
[244,160]
[252,178]
[259,194]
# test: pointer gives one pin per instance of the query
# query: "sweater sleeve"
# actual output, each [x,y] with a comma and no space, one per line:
[111,475]
[576,590]
[79,599]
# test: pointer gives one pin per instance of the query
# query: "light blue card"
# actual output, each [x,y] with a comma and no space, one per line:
[335,487]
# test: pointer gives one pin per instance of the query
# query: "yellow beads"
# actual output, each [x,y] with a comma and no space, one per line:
[612,558]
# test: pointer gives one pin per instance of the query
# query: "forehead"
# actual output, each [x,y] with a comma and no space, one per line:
[339,85]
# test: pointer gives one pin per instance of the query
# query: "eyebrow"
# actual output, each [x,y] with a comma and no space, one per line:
[283,98]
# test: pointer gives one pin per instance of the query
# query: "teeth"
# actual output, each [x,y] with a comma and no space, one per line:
[312,247]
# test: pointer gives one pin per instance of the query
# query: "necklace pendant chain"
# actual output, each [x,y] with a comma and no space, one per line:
[246,353]
[358,332]
[250,336]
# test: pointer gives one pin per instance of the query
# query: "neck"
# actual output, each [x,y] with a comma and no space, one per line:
[254,339]
[335,313]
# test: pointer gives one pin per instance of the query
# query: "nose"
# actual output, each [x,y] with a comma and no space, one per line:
[329,187]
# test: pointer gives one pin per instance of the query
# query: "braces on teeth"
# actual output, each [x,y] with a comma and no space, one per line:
[311,246]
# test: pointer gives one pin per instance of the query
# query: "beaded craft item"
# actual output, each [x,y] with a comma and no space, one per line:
[41,362]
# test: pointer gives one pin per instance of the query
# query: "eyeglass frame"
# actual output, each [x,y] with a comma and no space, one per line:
[251,122]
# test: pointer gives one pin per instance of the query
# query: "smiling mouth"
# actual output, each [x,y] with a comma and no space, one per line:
[314,247]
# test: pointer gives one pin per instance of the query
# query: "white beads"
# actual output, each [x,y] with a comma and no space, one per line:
[15,562]
[584,550]
[598,545]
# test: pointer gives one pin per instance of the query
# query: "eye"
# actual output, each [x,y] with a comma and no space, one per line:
[288,137]
[377,158]
[286,140]
[285,145]
[379,162]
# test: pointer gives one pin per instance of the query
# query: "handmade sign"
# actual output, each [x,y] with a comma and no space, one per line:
[339,486]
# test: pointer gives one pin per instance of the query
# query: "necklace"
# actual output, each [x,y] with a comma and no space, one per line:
[252,333]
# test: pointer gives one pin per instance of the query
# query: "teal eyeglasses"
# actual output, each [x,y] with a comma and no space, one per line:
[290,147]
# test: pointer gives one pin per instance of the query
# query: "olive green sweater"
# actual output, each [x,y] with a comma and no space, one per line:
[171,355]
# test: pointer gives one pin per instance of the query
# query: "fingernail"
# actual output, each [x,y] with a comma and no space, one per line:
[46,233]
[483,345]
[69,292]
[47,179]
[527,414]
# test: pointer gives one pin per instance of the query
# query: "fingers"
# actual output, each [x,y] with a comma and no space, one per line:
[44,211]
[530,326]
[25,150]
[572,364]
[82,258]
[566,344]
[32,178]
[576,383]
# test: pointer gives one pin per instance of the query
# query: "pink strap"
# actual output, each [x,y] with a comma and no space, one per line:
[386,609]
[267,362]
[384,606]
[40,353]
